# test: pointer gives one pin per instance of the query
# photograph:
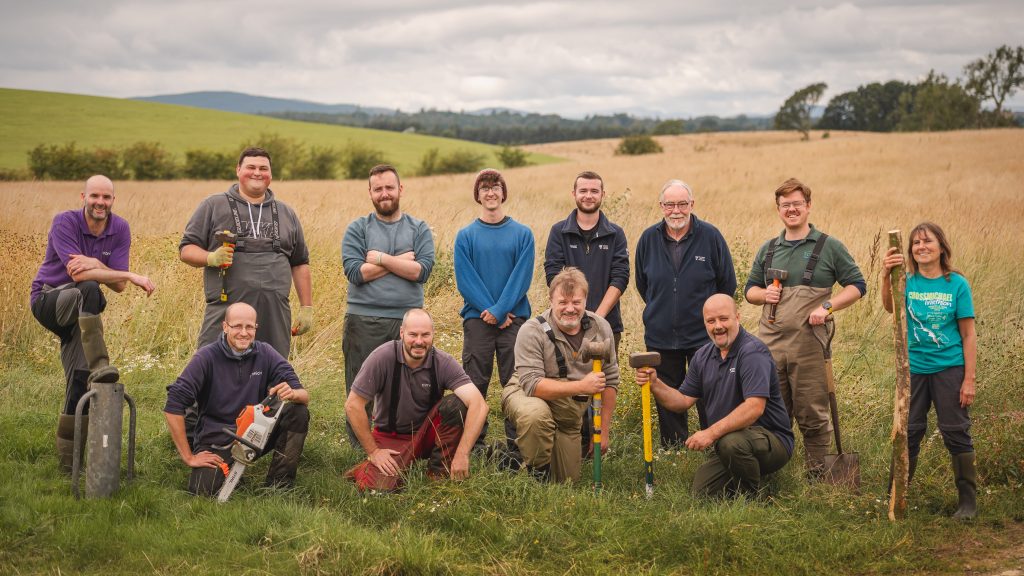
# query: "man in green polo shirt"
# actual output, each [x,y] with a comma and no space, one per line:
[815,263]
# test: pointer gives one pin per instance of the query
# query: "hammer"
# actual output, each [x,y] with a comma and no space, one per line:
[776,276]
[226,238]
[639,360]
[597,351]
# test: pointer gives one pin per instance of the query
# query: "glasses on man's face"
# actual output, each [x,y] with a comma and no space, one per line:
[670,206]
[243,327]
[487,189]
[787,205]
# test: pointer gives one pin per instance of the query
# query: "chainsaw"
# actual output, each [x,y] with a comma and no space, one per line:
[254,426]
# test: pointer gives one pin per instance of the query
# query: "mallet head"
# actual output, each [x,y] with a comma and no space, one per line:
[596,350]
[777,274]
[644,359]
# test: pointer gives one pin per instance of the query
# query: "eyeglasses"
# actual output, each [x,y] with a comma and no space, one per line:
[243,327]
[787,205]
[496,188]
[670,206]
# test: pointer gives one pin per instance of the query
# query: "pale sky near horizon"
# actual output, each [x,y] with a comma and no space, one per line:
[650,57]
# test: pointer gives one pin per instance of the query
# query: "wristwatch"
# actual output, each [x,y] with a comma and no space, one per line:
[827,306]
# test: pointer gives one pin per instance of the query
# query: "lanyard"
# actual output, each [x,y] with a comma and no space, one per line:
[255,223]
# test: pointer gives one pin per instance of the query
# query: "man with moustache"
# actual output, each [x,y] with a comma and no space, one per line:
[269,255]
[553,383]
[748,430]
[387,256]
[223,378]
[816,262]
[588,240]
[413,418]
[680,262]
[86,248]
[493,271]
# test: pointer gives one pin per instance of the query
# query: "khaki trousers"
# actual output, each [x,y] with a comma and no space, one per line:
[548,431]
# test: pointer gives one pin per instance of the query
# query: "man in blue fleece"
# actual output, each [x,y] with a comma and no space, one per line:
[680,262]
[223,378]
[387,256]
[493,270]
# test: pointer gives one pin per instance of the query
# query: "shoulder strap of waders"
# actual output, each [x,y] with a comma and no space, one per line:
[770,253]
[396,382]
[275,233]
[812,262]
[239,240]
[563,370]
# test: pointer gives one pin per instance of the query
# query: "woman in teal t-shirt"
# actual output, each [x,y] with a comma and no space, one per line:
[942,347]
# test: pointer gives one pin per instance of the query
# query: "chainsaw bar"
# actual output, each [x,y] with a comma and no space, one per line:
[231,481]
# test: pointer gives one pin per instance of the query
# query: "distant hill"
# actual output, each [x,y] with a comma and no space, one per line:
[30,118]
[249,104]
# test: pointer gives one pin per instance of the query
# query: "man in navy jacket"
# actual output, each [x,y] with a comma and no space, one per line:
[224,377]
[680,262]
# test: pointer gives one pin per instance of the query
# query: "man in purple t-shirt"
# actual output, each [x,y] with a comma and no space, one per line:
[406,379]
[85,248]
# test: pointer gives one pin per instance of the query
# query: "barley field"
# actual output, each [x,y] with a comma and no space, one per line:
[971,183]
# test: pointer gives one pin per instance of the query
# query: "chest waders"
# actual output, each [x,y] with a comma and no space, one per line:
[260,276]
[799,358]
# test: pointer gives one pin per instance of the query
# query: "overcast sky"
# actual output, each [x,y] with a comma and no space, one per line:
[654,58]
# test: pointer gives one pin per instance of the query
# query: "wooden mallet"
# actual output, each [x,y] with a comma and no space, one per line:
[639,360]
[597,351]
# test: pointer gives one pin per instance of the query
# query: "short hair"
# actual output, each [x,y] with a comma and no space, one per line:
[382,168]
[790,186]
[587,175]
[675,182]
[568,281]
[254,152]
[946,256]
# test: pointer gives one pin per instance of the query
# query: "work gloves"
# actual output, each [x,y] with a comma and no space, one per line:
[303,321]
[221,257]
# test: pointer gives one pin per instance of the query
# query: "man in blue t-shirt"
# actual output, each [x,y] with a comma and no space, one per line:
[85,249]
[493,271]
[748,427]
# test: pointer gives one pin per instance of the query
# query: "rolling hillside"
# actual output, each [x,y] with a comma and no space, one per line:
[31,118]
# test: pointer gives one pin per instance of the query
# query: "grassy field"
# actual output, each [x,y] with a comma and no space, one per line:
[31,118]
[864,184]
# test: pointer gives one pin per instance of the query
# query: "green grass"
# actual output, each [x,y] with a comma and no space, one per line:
[31,118]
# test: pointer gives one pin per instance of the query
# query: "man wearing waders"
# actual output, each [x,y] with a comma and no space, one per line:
[268,255]
[387,256]
[811,263]
[85,248]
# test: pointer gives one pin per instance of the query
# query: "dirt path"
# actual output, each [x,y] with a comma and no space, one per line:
[993,552]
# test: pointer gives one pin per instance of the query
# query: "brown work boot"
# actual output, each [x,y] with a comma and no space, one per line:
[966,477]
[95,349]
[66,441]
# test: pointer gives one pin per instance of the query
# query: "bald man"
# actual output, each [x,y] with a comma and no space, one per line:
[224,377]
[406,379]
[86,248]
[748,428]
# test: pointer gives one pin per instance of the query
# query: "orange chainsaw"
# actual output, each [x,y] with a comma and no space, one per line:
[254,426]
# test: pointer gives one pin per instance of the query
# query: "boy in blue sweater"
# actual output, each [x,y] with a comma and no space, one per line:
[493,271]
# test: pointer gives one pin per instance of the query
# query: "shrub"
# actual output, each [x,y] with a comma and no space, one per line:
[68,162]
[512,157]
[638,144]
[359,158]
[285,153]
[319,164]
[457,161]
[149,161]
[207,165]
[14,174]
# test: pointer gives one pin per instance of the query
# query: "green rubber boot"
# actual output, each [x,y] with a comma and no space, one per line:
[966,486]
[95,349]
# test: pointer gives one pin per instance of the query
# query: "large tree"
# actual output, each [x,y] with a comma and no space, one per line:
[873,107]
[996,76]
[795,113]
[937,104]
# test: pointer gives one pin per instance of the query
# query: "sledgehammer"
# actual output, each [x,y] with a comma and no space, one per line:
[639,360]
[776,276]
[597,351]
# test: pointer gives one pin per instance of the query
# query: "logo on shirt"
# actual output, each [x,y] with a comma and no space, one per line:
[256,373]
[573,246]
[105,253]
[700,258]
[732,370]
[602,246]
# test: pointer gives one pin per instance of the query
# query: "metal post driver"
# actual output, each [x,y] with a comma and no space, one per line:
[640,360]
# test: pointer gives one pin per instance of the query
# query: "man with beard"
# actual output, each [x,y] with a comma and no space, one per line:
[387,256]
[85,248]
[413,418]
[680,262]
[269,255]
[747,428]
[588,240]
[553,383]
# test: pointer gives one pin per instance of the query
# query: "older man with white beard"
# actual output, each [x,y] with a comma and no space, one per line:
[680,262]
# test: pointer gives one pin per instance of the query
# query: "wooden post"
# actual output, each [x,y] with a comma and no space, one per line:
[900,465]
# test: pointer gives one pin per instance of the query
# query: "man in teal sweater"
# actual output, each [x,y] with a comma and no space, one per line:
[493,270]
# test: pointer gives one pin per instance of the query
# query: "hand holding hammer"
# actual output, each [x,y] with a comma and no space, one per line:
[777,276]
[640,360]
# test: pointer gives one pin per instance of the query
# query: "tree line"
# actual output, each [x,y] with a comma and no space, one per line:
[936,103]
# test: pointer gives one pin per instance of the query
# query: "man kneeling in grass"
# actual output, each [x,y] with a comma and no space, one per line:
[406,379]
[224,377]
[748,428]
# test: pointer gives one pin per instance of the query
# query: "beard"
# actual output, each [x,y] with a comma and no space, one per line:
[580,207]
[386,212]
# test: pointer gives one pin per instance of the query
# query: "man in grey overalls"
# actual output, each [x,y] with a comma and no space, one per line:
[815,262]
[268,255]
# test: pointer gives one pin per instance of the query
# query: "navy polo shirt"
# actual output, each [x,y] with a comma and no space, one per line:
[713,378]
